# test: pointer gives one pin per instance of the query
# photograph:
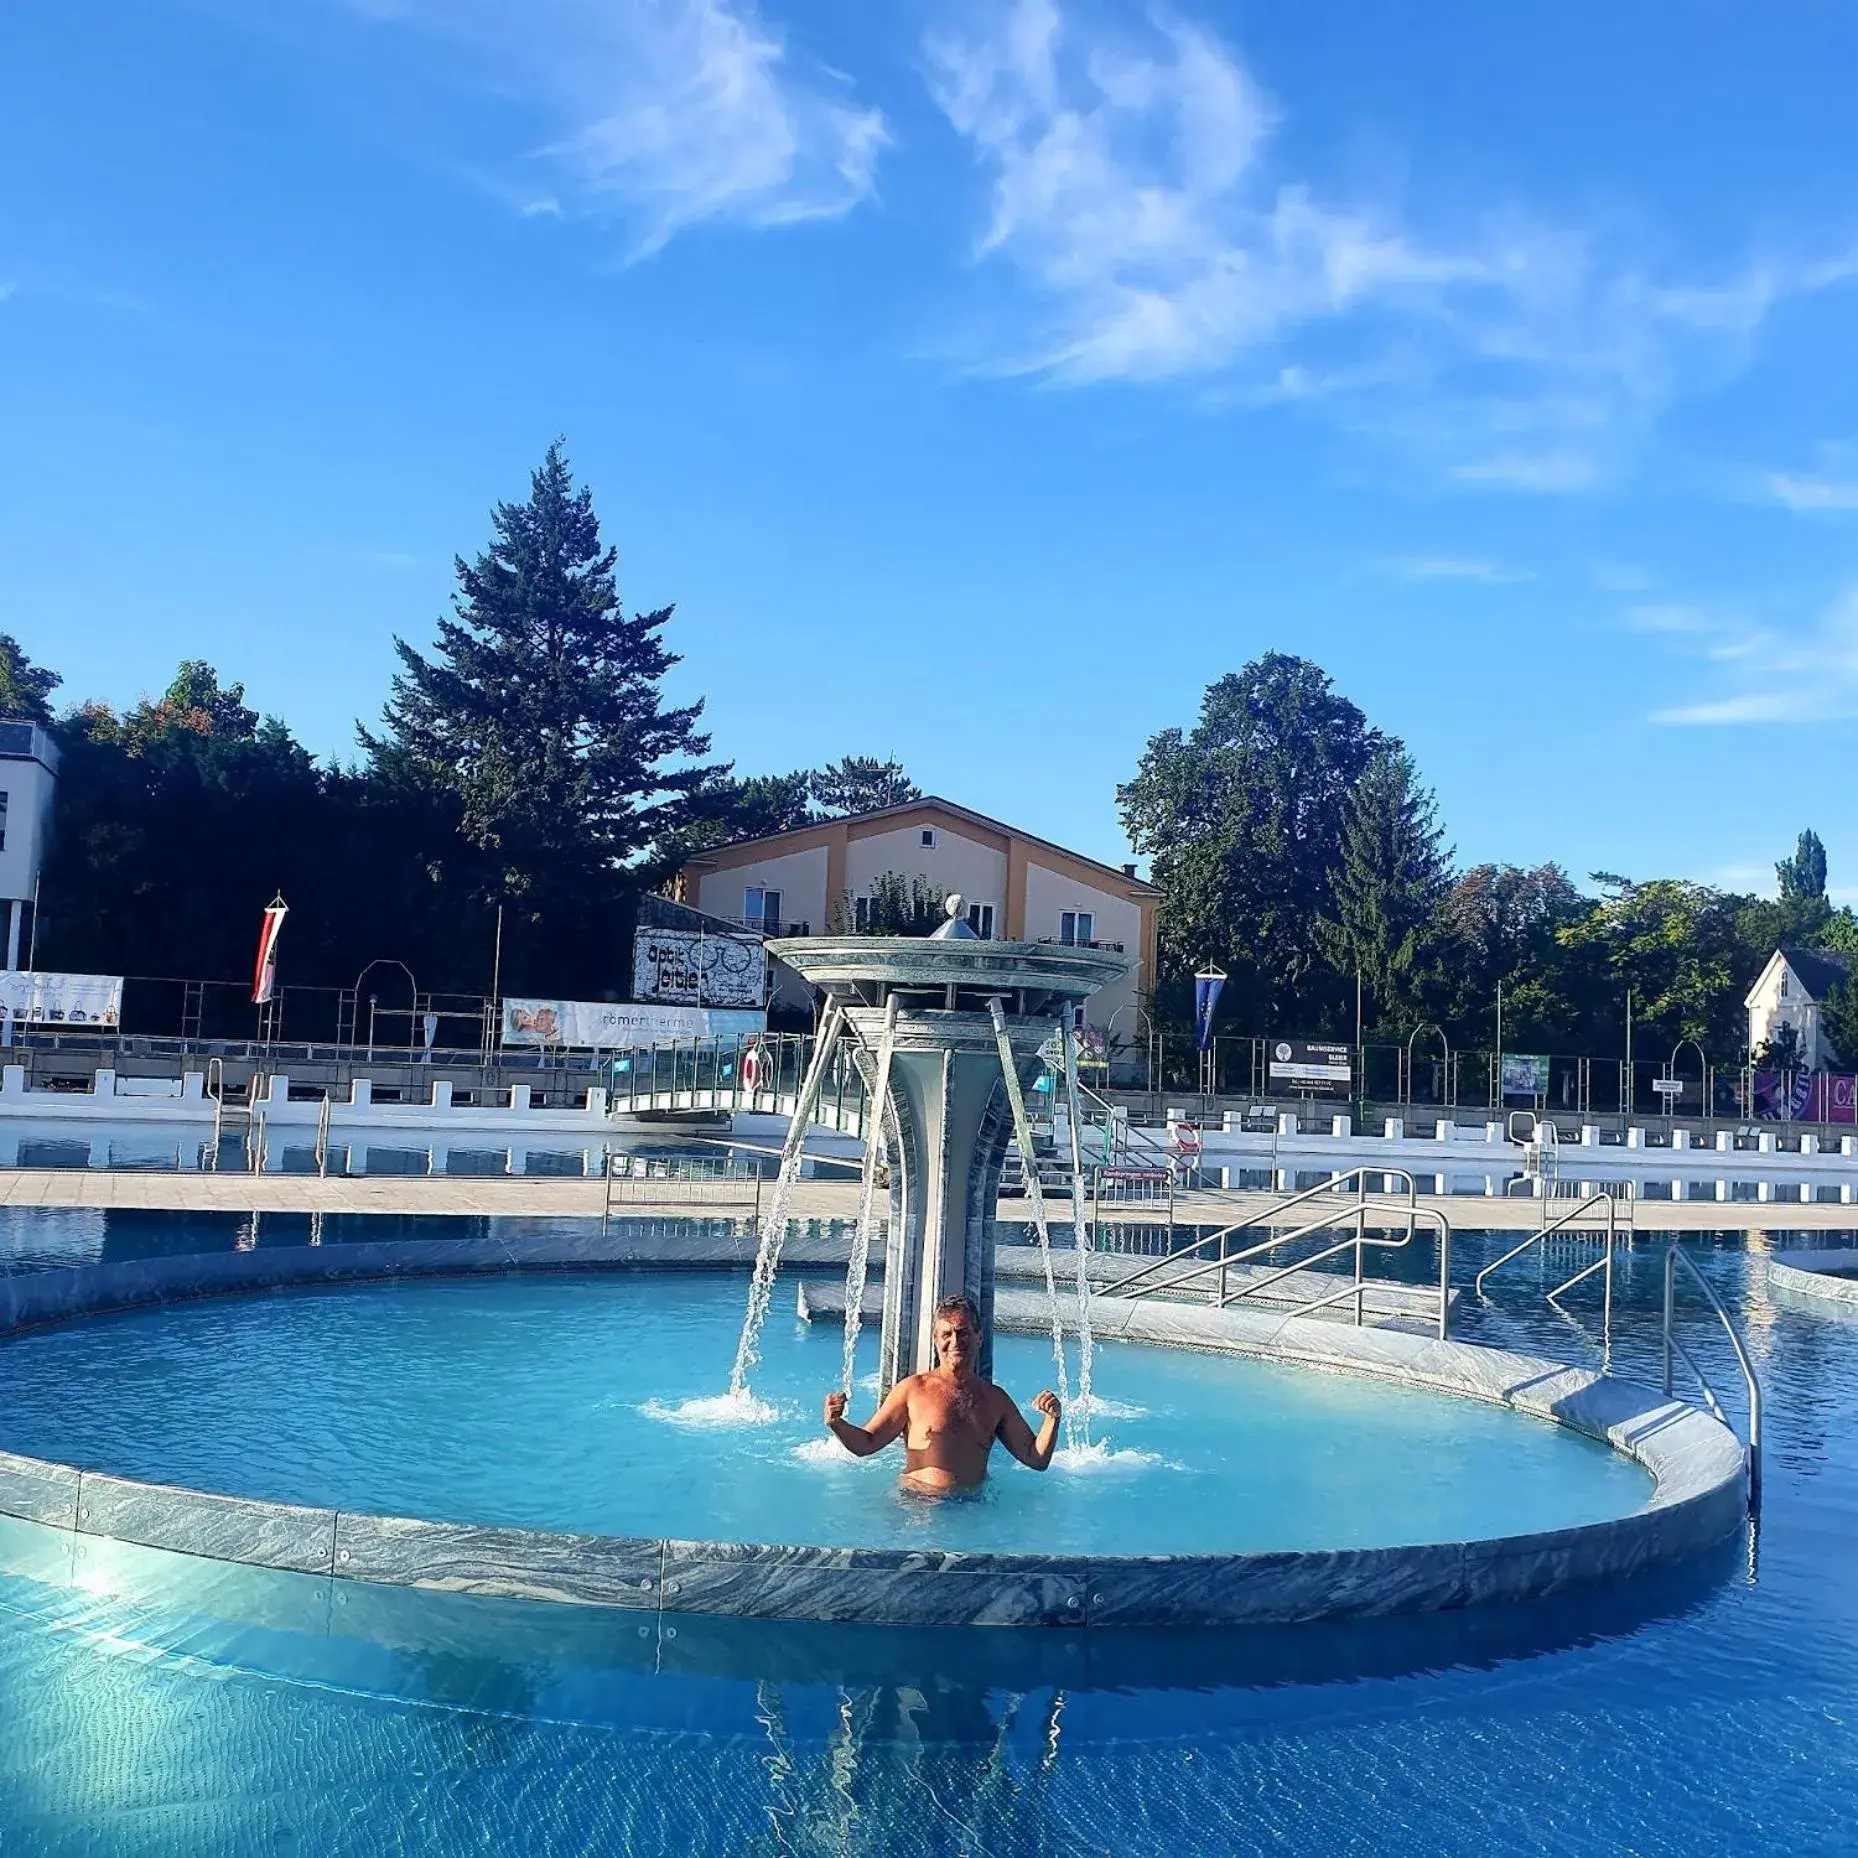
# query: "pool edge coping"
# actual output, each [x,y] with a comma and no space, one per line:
[1810,1274]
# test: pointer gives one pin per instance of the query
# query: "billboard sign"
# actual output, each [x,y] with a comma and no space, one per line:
[1806,1097]
[1523,1075]
[1307,1066]
[619,1025]
[32,998]
[692,967]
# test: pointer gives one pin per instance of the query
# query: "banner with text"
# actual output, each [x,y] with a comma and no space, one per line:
[1305,1066]
[30,998]
[1806,1097]
[607,1025]
[704,970]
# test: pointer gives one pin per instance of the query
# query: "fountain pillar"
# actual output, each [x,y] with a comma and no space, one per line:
[948,1122]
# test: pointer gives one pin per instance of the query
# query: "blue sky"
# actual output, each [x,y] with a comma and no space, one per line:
[980,381]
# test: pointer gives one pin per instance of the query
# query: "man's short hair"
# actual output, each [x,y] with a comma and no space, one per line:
[960,1304]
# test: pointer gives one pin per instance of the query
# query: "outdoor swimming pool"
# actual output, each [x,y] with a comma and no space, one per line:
[155,1704]
[588,1403]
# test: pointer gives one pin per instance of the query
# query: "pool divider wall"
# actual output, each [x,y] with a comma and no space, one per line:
[1814,1274]
[1697,1465]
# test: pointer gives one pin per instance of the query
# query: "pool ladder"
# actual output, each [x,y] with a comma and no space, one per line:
[1672,1349]
[1366,1213]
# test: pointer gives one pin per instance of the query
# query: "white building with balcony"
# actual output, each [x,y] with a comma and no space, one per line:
[820,879]
[28,780]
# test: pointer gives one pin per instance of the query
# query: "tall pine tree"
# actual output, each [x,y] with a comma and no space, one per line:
[541,709]
[863,784]
[1388,885]
[1242,818]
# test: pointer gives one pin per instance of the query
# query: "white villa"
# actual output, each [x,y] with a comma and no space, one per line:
[1788,992]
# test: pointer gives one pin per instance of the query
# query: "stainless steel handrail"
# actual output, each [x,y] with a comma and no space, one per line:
[1603,1263]
[1357,1210]
[1269,1215]
[1672,1346]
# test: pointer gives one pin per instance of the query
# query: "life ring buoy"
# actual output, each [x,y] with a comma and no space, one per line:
[751,1069]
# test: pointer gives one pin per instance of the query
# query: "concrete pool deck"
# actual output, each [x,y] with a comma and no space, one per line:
[1698,1469]
[580,1197]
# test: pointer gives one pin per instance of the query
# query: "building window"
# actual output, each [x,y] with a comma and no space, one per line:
[761,909]
[1077,928]
[1783,983]
[928,838]
[981,920]
[2,821]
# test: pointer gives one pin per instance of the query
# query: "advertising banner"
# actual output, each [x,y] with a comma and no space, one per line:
[1806,1097]
[28,998]
[691,967]
[1523,1075]
[1310,1067]
[609,1025]
[264,971]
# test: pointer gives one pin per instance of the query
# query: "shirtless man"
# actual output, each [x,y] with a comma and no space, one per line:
[949,1417]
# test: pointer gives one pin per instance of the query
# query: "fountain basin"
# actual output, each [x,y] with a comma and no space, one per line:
[1694,1464]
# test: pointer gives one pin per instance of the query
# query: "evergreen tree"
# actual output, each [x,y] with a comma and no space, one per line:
[25,689]
[1804,874]
[1242,821]
[541,708]
[862,784]
[1388,883]
[751,808]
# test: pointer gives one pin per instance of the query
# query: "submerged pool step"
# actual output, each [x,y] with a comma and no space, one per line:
[1383,1303]
[1386,1306]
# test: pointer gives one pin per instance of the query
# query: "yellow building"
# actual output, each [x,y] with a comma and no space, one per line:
[814,880]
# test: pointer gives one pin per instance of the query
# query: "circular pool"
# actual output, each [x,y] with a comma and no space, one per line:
[549,1427]
[588,1404]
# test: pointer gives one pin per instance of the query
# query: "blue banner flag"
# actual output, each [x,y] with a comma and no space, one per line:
[1207,984]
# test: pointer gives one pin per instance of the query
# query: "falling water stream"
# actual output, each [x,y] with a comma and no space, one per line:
[867,1193]
[1080,1234]
[774,1221]
[1076,1423]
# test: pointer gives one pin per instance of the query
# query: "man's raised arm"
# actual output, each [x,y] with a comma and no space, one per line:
[886,1424]
[1017,1437]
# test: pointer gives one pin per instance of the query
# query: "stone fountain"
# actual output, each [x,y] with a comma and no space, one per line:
[932,1018]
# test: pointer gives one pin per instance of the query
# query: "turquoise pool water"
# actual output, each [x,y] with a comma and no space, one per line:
[155,1706]
[588,1402]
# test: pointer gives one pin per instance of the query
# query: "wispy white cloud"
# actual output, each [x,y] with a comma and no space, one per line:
[1136,193]
[1127,185]
[665,112]
[1550,473]
[1808,494]
[1804,674]
[1668,616]
[1621,577]
[1453,568]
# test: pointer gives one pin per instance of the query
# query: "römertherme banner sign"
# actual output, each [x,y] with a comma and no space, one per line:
[31,998]
[607,1025]
[1309,1066]
[689,966]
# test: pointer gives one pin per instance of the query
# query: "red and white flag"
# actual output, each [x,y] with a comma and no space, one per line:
[264,976]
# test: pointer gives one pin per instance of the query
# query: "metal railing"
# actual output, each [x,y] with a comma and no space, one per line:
[1674,1348]
[1162,1276]
[1603,1263]
[703,1181]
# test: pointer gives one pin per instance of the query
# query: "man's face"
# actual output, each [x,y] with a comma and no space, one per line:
[955,1341]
